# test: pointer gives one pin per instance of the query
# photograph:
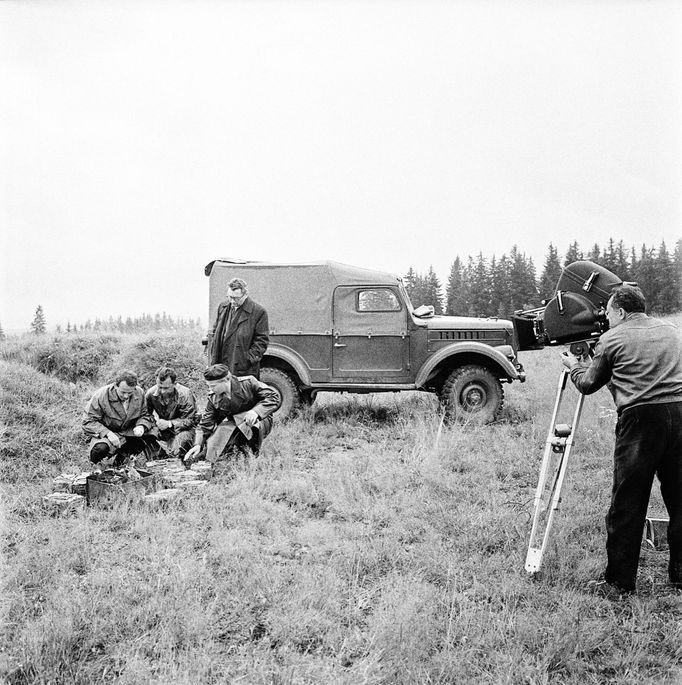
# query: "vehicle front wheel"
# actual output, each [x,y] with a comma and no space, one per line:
[472,393]
[286,389]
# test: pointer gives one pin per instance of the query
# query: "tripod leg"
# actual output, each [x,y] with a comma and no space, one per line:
[548,492]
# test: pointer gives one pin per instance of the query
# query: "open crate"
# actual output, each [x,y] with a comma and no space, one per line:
[101,492]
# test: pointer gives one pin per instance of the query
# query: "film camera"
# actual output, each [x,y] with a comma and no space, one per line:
[575,315]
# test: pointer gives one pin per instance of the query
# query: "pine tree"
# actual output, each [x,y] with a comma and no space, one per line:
[456,292]
[2,334]
[621,266]
[645,276]
[522,277]
[480,288]
[38,325]
[609,258]
[676,285]
[634,264]
[68,327]
[500,289]
[550,273]
[573,254]
[433,291]
[663,280]
[409,280]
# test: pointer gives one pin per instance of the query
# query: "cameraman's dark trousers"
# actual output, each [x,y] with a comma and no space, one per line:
[648,443]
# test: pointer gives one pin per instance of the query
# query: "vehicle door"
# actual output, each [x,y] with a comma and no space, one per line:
[371,339]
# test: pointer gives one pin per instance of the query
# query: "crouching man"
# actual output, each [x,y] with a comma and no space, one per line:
[117,421]
[237,415]
[174,411]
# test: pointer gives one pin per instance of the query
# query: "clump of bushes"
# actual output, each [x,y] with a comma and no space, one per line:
[97,357]
[144,354]
[71,358]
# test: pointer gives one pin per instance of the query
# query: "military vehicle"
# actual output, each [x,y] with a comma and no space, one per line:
[340,328]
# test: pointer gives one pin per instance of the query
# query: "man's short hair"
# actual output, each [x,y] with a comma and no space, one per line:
[629,297]
[215,372]
[130,377]
[164,372]
[237,284]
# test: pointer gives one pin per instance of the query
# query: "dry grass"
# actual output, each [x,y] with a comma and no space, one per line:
[367,544]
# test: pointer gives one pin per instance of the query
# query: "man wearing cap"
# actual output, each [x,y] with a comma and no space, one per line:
[173,409]
[240,335]
[117,421]
[237,415]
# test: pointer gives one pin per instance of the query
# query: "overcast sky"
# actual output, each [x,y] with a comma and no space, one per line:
[141,140]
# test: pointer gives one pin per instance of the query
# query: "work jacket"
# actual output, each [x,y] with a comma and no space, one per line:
[241,344]
[105,412]
[180,407]
[245,393]
[640,361]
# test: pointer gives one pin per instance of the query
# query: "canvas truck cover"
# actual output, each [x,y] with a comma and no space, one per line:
[297,297]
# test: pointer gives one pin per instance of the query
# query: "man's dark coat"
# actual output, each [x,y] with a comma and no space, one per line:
[243,344]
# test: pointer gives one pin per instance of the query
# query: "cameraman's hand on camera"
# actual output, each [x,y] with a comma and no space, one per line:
[569,360]
[138,431]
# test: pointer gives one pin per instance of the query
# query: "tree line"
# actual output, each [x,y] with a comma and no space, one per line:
[147,323]
[479,286]
[495,286]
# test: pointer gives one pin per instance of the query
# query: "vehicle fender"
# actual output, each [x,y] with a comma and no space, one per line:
[456,349]
[290,357]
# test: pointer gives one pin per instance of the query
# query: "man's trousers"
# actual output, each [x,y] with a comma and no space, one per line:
[648,443]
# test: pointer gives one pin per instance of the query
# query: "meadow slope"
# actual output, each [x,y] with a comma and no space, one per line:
[367,544]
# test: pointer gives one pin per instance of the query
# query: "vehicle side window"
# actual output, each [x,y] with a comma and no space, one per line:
[378,300]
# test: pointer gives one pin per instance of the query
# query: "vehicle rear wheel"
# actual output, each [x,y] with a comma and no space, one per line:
[472,393]
[285,387]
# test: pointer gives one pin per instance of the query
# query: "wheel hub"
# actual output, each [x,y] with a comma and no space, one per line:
[474,396]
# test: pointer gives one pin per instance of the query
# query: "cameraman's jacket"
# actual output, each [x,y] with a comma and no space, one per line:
[105,412]
[640,361]
[246,393]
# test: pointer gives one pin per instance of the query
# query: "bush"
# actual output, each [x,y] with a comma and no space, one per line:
[97,358]
[144,354]
[69,357]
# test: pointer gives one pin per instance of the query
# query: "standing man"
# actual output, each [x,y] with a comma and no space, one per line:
[240,334]
[237,415]
[640,360]
[117,421]
[173,408]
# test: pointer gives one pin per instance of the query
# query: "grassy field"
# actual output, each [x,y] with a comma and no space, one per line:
[367,544]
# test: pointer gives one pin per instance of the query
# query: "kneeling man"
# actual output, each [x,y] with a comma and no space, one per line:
[173,408]
[237,415]
[117,421]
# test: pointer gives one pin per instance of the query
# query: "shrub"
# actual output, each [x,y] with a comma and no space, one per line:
[144,354]
[69,357]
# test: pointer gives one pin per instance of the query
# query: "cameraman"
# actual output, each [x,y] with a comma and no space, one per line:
[639,359]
